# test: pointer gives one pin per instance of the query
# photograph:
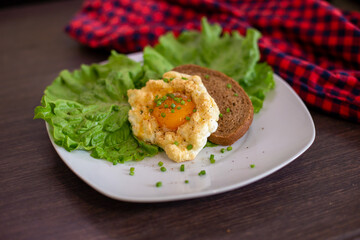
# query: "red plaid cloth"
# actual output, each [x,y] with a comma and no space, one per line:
[312,45]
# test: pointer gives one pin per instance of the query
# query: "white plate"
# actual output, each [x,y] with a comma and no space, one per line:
[280,133]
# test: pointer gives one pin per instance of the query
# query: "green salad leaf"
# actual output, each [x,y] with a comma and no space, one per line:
[232,54]
[88,109]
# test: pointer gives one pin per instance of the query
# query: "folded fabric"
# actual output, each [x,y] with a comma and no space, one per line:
[314,46]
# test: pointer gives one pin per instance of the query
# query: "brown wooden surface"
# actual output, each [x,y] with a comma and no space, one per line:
[315,197]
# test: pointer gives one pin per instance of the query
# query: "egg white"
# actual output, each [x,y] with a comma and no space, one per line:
[194,132]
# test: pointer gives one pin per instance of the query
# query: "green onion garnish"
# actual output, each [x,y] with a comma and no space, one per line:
[179,108]
[176,143]
[132,169]
[166,106]
[212,159]
[221,115]
[189,100]
[182,168]
[184,78]
[166,80]
[160,164]
[173,105]
[222,150]
[186,181]
[170,94]
[189,147]
[172,110]
[236,95]
[252,165]
[202,173]
[187,118]
[194,110]
[182,102]
[158,184]
[228,85]
[163,114]
[229,148]
[163,169]
[206,76]
[228,110]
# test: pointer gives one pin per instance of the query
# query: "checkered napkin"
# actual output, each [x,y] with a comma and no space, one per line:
[314,46]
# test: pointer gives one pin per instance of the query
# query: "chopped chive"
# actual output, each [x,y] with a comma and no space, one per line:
[172,79]
[187,118]
[158,103]
[222,150]
[228,110]
[173,105]
[202,173]
[184,78]
[182,168]
[172,110]
[164,98]
[236,95]
[189,147]
[158,184]
[170,94]
[163,169]
[186,181]
[206,76]
[163,114]
[252,165]
[194,110]
[228,85]
[179,108]
[176,143]
[212,158]
[182,102]
[189,100]
[160,164]
[229,148]
[221,115]
[177,99]
[132,169]
[166,106]
[166,80]
[131,173]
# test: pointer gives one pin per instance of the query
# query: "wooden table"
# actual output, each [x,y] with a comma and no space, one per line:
[315,197]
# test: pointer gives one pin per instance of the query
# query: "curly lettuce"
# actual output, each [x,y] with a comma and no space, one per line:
[88,109]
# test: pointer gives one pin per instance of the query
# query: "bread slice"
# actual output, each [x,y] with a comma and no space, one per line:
[228,94]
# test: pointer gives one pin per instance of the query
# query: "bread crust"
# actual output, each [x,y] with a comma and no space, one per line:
[235,124]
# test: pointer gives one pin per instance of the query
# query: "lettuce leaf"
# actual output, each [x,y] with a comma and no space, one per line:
[88,109]
[232,54]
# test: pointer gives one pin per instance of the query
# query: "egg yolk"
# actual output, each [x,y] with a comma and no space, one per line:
[173,110]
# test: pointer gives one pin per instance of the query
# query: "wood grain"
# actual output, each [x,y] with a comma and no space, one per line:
[315,197]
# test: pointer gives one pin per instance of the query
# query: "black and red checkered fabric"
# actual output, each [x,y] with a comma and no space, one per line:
[314,46]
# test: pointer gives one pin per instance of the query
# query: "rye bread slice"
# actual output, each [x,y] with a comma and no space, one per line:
[234,124]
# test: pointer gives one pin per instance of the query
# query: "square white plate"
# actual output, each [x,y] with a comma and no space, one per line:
[281,132]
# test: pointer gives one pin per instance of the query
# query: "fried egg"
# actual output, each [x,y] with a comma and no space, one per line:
[175,113]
